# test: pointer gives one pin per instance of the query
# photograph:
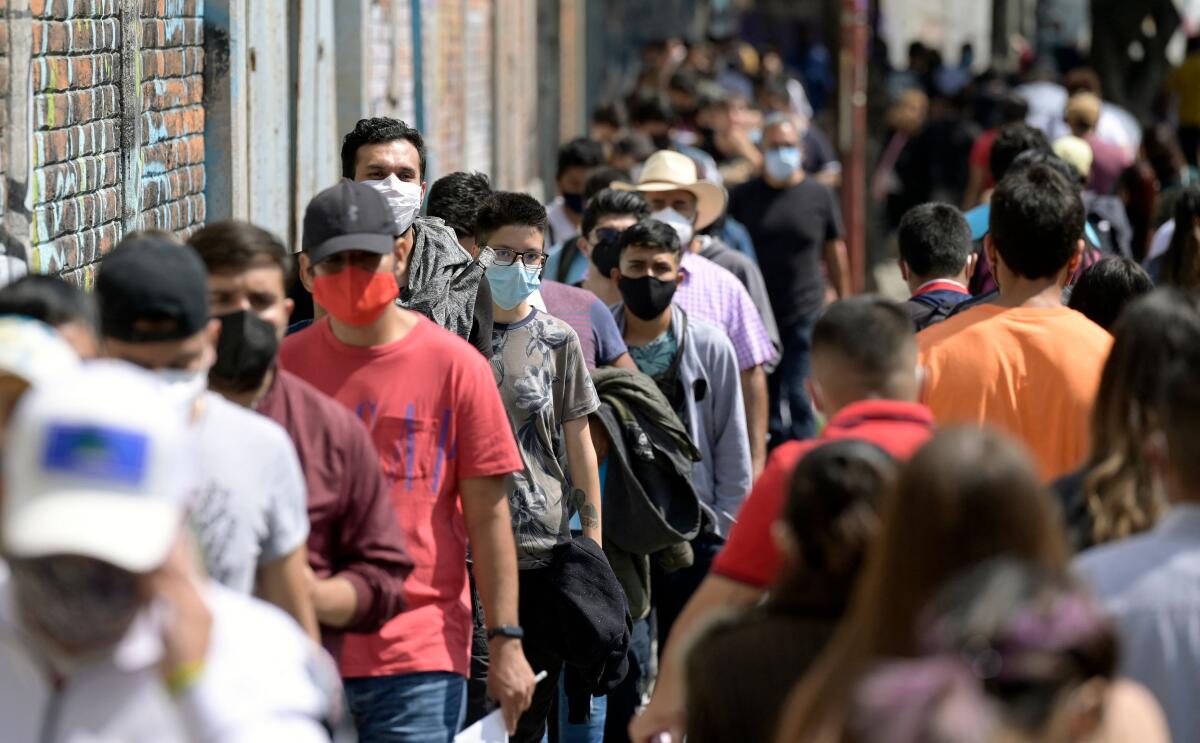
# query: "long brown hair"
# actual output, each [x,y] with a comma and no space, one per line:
[1118,488]
[1181,262]
[967,496]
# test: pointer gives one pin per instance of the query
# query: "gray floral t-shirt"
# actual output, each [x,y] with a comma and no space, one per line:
[544,382]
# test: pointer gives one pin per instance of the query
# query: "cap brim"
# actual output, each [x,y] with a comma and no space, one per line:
[132,532]
[977,220]
[367,242]
[710,198]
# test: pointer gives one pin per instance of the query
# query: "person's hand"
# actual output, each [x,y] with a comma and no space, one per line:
[657,719]
[510,679]
[188,628]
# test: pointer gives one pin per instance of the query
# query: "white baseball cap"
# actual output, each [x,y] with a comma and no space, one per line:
[98,464]
[31,350]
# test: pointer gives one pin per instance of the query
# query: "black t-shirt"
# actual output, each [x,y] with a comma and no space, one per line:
[790,228]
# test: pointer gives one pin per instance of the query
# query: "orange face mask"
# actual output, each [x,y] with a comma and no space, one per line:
[354,296]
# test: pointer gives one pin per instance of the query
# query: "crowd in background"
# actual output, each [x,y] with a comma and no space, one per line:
[634,464]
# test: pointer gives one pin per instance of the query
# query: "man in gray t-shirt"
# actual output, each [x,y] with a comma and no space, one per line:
[250,514]
[251,509]
[544,383]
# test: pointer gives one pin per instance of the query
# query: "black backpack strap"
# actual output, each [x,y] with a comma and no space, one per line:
[926,310]
[570,248]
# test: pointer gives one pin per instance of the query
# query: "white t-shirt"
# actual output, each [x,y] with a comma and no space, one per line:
[561,226]
[251,508]
[263,680]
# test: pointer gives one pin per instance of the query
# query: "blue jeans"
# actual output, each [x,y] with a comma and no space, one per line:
[413,708]
[786,384]
[591,731]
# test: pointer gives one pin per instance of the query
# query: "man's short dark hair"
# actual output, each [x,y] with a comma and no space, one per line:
[600,179]
[234,246]
[935,240]
[1036,221]
[1029,158]
[455,199]
[637,145]
[507,208]
[612,114]
[651,233]
[379,130]
[1107,287]
[1012,140]
[650,108]
[51,300]
[612,203]
[872,334]
[580,152]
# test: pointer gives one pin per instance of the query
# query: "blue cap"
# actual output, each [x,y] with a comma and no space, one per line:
[978,218]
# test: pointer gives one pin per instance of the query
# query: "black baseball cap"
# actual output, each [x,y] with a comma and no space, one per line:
[152,288]
[348,216]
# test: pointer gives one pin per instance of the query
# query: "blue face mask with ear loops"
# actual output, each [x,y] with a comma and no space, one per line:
[782,163]
[511,285]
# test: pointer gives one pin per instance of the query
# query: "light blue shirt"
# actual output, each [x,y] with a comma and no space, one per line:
[713,414]
[1150,585]
[575,272]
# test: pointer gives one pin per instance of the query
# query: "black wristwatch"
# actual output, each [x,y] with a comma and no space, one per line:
[506,630]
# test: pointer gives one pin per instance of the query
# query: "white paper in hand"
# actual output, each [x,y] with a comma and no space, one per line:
[488,730]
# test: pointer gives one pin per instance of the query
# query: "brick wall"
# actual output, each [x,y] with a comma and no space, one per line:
[117,127]
[172,125]
[75,185]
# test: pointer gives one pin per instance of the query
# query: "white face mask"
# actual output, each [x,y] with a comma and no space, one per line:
[681,224]
[184,386]
[403,197]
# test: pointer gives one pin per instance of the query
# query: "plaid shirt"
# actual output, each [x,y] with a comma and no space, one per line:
[711,293]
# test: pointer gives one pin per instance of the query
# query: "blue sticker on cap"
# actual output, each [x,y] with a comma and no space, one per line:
[96,452]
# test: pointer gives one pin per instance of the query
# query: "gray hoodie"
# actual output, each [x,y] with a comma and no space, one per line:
[443,278]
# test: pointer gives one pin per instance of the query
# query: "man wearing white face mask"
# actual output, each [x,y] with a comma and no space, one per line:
[250,516]
[437,276]
[796,226]
[708,291]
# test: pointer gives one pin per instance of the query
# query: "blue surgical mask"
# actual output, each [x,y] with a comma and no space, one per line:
[782,163]
[513,284]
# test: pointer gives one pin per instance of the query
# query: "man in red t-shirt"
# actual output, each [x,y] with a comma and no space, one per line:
[356,557]
[864,377]
[445,446]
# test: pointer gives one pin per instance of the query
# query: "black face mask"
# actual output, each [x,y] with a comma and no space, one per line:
[646,297]
[245,352]
[573,201]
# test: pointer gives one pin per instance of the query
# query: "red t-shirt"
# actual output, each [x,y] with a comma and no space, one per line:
[981,155]
[749,556]
[431,403]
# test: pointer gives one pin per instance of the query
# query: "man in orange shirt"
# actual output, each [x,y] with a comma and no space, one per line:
[1025,364]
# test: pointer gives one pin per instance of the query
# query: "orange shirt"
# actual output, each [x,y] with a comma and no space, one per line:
[1032,372]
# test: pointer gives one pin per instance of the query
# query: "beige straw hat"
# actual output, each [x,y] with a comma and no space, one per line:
[667,170]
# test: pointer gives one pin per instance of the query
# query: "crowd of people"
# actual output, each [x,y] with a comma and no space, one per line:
[632,465]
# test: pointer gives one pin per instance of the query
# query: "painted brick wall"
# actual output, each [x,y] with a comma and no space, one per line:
[117,132]
[172,125]
[76,192]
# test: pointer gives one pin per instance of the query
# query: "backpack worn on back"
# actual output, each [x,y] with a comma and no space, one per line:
[926,310]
